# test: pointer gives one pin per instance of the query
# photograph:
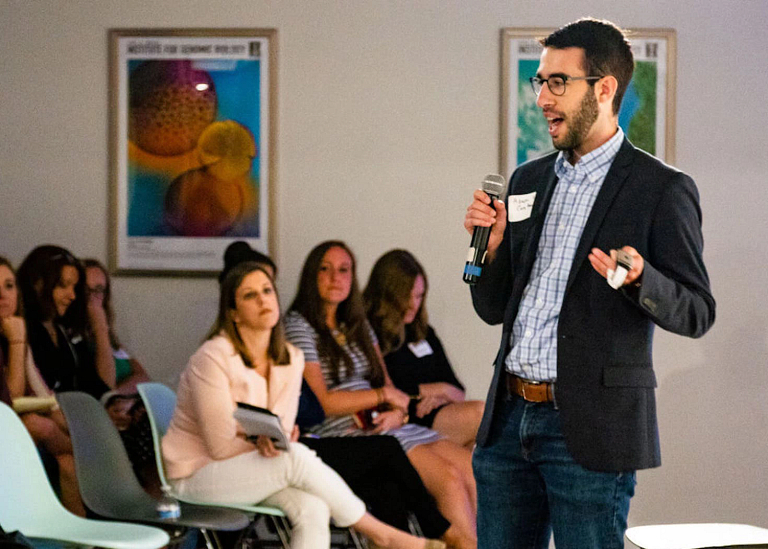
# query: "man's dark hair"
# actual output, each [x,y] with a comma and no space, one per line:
[606,50]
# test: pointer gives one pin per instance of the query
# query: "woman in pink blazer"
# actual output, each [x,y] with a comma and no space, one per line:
[247,359]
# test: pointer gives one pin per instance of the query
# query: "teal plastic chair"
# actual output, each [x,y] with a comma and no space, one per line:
[29,504]
[160,401]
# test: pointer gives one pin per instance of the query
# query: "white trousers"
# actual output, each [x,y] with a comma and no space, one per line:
[298,482]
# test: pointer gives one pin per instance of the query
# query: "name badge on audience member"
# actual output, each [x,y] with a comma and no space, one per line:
[520,206]
[121,354]
[421,348]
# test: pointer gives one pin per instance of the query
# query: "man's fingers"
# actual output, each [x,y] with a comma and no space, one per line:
[482,196]
[606,265]
[601,261]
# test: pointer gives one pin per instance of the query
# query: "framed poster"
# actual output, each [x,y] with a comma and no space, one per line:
[647,113]
[192,146]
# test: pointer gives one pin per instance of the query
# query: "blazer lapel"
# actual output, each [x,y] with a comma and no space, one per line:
[531,245]
[278,381]
[614,179]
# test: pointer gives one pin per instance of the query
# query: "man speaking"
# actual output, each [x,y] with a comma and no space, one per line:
[596,244]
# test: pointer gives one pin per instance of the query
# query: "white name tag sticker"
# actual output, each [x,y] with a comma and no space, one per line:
[121,354]
[520,206]
[421,348]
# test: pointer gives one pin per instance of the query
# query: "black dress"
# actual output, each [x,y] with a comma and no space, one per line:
[68,367]
[408,371]
[376,469]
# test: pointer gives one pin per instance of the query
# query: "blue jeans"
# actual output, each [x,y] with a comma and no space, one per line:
[529,487]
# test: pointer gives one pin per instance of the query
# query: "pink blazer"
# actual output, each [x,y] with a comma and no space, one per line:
[202,429]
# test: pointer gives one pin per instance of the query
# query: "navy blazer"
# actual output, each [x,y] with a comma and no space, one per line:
[605,379]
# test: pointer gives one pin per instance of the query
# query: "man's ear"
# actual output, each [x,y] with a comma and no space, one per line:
[605,90]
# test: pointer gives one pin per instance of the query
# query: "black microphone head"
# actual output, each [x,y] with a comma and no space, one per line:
[494,184]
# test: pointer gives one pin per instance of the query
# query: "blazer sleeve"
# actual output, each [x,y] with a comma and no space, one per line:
[674,287]
[213,406]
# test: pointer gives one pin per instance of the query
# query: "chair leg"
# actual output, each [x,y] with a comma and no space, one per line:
[216,541]
[211,539]
[414,526]
[207,538]
[283,530]
[360,542]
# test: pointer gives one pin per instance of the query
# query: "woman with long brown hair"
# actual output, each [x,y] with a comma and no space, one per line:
[345,370]
[395,299]
[47,426]
[68,336]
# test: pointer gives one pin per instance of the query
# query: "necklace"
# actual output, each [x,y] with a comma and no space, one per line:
[339,336]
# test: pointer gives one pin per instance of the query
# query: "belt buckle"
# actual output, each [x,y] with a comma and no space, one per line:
[523,383]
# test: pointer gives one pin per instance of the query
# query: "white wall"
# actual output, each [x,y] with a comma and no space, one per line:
[388,118]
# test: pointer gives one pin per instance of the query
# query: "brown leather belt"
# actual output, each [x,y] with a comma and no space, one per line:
[532,391]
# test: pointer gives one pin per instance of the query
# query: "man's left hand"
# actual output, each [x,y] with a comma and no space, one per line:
[601,262]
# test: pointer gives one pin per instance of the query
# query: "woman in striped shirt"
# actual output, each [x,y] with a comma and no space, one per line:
[345,370]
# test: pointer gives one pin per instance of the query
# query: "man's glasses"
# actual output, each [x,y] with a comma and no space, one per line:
[556,83]
[96,290]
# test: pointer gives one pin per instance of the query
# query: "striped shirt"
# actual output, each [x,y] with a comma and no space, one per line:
[301,333]
[533,341]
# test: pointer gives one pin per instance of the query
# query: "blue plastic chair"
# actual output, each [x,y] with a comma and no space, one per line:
[29,504]
[160,402]
[109,486]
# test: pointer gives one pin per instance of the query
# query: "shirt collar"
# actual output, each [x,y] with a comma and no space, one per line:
[595,163]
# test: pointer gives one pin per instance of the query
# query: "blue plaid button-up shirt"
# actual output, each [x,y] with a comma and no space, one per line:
[533,342]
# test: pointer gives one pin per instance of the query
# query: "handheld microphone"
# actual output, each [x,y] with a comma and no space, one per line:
[493,185]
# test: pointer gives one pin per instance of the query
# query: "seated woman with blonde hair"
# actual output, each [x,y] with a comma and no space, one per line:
[345,370]
[207,455]
[395,300]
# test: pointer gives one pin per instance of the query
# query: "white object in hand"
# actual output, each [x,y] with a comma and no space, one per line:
[616,278]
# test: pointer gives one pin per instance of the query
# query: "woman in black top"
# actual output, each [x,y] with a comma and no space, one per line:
[18,374]
[395,300]
[58,318]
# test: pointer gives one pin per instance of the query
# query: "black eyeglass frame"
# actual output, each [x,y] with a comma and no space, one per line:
[536,81]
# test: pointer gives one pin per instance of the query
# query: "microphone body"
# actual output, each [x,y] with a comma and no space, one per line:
[493,185]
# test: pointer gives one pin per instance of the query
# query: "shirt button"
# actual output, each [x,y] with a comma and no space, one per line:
[573,188]
[561,227]
[528,333]
[539,301]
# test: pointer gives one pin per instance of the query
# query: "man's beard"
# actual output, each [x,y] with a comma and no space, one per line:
[580,123]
